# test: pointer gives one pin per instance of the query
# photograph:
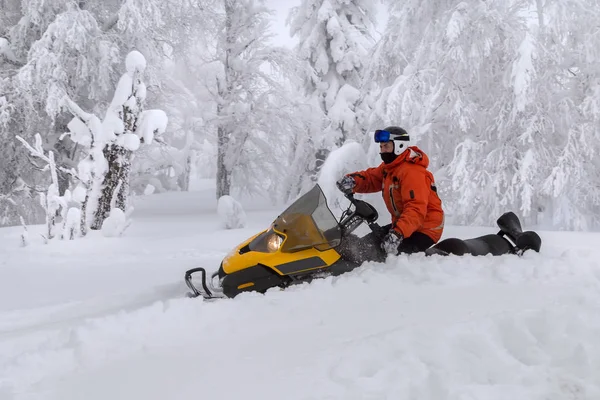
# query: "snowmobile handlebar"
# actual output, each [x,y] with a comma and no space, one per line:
[363,212]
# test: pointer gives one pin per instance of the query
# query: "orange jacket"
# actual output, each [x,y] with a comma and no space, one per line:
[409,192]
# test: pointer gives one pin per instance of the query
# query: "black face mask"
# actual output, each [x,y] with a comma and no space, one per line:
[388,157]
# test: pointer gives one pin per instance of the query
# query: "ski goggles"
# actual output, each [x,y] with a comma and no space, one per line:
[385,136]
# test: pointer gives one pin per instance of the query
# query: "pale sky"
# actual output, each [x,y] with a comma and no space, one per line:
[282,9]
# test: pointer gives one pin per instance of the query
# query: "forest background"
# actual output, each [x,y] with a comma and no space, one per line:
[102,100]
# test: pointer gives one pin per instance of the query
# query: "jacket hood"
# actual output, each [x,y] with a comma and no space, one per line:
[413,155]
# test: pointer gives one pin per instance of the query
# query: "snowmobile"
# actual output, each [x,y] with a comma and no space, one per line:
[307,241]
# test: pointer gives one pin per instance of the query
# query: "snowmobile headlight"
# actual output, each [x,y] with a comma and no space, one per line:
[274,242]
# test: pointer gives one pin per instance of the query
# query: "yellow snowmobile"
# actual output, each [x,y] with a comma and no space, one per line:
[306,242]
[298,246]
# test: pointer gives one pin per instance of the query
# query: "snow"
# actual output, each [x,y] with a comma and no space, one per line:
[122,93]
[141,91]
[135,62]
[348,158]
[457,22]
[149,189]
[88,166]
[151,123]
[523,72]
[115,223]
[104,318]
[4,111]
[79,194]
[80,133]
[342,109]
[71,223]
[4,46]
[24,233]
[231,212]
[325,12]
[129,141]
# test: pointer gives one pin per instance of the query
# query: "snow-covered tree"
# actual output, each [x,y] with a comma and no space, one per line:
[187,146]
[472,91]
[505,105]
[252,115]
[104,174]
[566,86]
[56,48]
[26,21]
[49,48]
[52,202]
[537,153]
[449,72]
[335,37]
[121,124]
[11,12]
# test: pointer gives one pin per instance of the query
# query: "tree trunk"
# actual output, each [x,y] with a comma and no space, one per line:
[225,89]
[83,229]
[540,14]
[223,173]
[64,181]
[184,178]
[119,167]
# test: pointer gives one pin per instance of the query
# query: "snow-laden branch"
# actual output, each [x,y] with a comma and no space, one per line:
[152,123]
[51,201]
[7,53]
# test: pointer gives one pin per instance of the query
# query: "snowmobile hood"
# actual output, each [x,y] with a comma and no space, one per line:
[413,155]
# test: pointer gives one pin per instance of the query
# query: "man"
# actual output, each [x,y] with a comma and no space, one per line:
[408,190]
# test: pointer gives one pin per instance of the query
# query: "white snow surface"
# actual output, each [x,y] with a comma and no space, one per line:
[105,318]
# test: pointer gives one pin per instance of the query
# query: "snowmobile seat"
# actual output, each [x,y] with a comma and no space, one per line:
[479,246]
[510,226]
[510,240]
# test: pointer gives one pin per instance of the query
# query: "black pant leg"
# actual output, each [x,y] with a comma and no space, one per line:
[416,243]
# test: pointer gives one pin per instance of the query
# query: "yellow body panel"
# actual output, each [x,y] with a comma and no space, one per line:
[235,261]
[246,285]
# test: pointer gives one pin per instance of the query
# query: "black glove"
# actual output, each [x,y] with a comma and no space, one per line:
[346,184]
[391,241]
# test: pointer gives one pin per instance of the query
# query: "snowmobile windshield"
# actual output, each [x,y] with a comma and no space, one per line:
[309,222]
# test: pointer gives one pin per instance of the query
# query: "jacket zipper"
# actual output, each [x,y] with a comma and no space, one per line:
[392,200]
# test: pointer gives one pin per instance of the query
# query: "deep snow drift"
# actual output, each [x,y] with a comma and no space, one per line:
[103,318]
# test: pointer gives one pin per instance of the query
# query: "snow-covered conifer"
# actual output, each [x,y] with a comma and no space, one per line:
[335,38]
[250,110]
